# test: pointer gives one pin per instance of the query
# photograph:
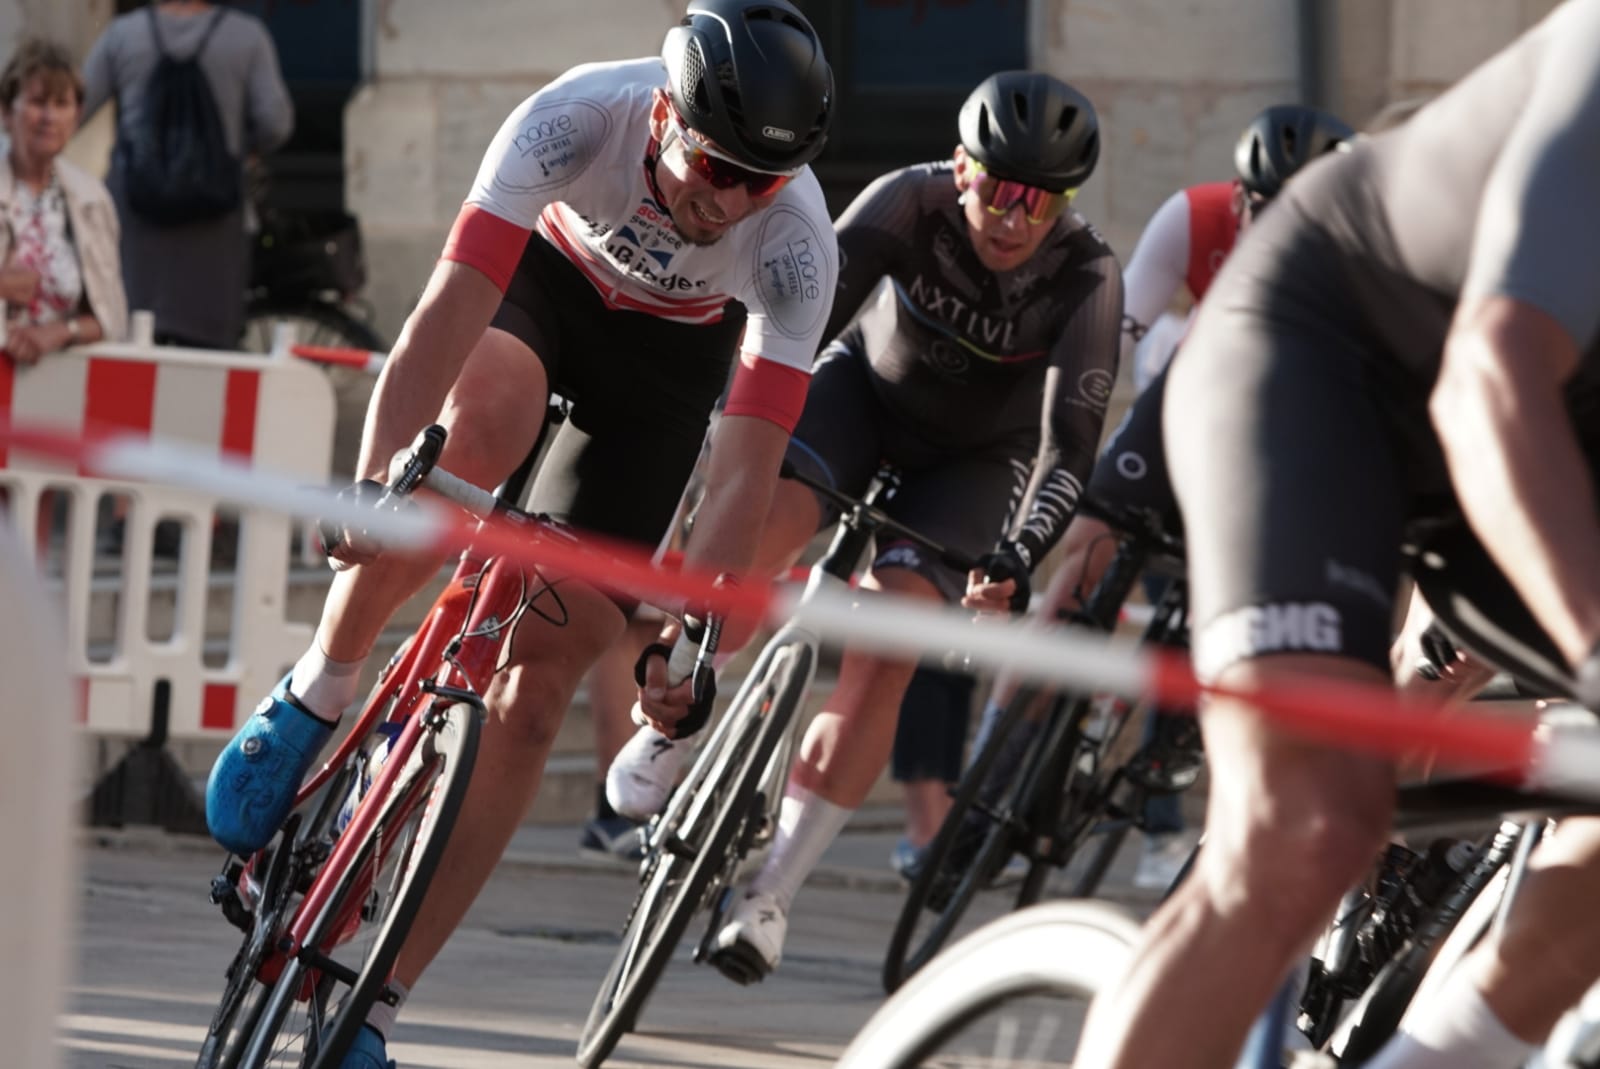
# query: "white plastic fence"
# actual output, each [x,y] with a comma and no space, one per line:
[275,411]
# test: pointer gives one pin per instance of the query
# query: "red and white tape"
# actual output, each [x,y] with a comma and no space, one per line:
[1344,714]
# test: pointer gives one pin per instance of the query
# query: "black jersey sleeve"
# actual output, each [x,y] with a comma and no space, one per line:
[1078,384]
[875,234]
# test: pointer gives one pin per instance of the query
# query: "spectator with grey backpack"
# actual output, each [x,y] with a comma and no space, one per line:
[198,89]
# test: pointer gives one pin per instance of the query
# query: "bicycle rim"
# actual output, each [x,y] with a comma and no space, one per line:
[958,863]
[1013,994]
[680,878]
[308,1014]
[309,835]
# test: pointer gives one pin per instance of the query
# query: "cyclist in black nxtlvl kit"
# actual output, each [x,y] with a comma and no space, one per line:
[991,352]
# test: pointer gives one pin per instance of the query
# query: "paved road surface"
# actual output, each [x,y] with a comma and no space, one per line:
[513,987]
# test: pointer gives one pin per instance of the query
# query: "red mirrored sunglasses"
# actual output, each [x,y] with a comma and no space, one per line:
[719,171]
[1000,195]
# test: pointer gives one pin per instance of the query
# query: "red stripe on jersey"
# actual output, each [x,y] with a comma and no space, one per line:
[606,282]
[119,394]
[8,380]
[768,390]
[239,412]
[216,706]
[483,240]
[1213,226]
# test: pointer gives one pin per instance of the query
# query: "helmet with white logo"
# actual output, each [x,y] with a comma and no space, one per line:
[1280,141]
[749,75]
[1031,128]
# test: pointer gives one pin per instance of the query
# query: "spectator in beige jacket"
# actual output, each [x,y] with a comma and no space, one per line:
[60,278]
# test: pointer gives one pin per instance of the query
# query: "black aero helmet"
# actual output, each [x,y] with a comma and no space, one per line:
[750,76]
[1031,128]
[1280,141]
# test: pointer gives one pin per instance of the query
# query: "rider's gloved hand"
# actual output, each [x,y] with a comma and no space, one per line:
[347,545]
[672,708]
[1001,581]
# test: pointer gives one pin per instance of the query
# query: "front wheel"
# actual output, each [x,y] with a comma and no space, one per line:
[688,857]
[983,829]
[1013,993]
[304,1010]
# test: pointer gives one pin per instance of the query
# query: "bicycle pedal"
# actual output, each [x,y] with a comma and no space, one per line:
[740,963]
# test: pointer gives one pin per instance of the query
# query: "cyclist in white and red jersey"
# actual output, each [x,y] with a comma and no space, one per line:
[989,352]
[629,224]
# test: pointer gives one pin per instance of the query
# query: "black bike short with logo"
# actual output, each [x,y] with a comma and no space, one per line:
[1310,477]
[1131,471]
[642,389]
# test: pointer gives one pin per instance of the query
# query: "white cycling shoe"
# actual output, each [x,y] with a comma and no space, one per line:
[750,944]
[644,772]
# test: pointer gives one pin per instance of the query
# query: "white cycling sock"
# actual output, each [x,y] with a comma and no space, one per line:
[1455,1029]
[382,1016]
[807,825]
[326,687]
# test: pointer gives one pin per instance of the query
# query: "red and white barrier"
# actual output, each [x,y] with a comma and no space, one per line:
[274,411]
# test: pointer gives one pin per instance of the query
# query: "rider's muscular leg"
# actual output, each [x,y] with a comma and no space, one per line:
[1549,954]
[525,705]
[847,745]
[492,415]
[792,519]
[1289,827]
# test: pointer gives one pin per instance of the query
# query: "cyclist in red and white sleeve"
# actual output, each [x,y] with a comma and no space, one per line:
[630,223]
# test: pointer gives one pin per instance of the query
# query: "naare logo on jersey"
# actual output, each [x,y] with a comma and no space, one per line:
[551,145]
[644,248]
[793,270]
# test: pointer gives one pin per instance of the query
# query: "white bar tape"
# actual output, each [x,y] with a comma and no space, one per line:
[475,499]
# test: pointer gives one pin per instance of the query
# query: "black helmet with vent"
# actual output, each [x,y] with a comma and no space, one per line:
[1031,128]
[1280,141]
[750,76]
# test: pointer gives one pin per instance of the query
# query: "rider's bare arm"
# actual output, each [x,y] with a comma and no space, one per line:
[1516,463]
[454,312]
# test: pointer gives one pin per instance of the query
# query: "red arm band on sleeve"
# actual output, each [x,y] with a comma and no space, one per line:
[483,240]
[767,390]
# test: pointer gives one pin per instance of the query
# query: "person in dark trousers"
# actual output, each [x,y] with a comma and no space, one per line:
[191,275]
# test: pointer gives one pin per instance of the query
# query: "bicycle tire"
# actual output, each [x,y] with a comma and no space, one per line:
[677,879]
[1038,799]
[416,816]
[900,961]
[1065,949]
[298,847]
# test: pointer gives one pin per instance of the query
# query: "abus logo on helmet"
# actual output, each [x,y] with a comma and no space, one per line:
[777,133]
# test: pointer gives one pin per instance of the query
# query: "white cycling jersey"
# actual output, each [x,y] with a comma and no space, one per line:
[572,162]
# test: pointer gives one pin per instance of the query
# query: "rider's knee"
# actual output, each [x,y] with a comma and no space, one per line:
[530,705]
[1291,868]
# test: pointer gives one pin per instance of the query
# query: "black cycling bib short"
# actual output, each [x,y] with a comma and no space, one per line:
[1302,452]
